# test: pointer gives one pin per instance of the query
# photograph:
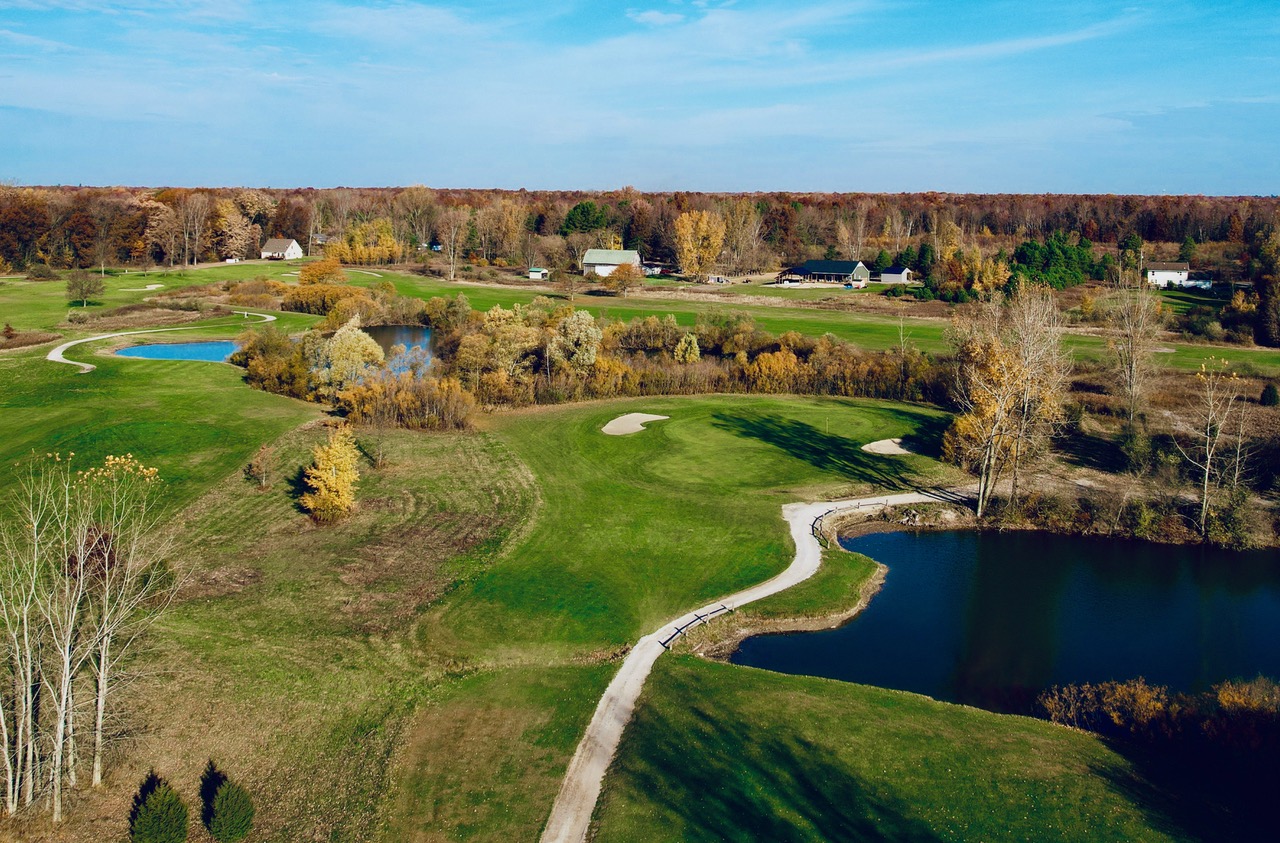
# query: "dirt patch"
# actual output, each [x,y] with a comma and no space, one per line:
[26,339]
[219,583]
[125,319]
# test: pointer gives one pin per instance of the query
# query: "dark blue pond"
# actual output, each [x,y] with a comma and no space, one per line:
[992,619]
[214,352]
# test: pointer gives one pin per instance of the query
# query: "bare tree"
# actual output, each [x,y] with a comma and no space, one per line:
[1217,402]
[1135,320]
[900,225]
[194,210]
[1035,336]
[451,230]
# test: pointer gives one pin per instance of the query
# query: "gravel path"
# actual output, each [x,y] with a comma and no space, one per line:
[571,815]
[57,354]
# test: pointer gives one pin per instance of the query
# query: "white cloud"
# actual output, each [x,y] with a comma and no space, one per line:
[653,17]
[22,40]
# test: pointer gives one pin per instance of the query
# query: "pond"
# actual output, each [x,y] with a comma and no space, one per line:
[410,336]
[991,619]
[213,352]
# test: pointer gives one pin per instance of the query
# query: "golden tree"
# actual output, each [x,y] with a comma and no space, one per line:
[699,239]
[326,271]
[624,279]
[332,477]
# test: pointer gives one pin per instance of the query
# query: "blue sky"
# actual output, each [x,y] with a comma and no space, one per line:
[867,95]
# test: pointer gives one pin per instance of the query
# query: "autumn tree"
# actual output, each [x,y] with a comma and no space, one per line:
[344,358]
[687,350]
[326,271]
[1035,337]
[699,238]
[576,341]
[743,244]
[82,286]
[332,477]
[624,279]
[1010,376]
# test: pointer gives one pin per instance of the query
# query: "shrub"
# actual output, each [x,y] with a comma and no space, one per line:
[326,271]
[158,815]
[77,317]
[9,332]
[41,272]
[1270,396]
[226,807]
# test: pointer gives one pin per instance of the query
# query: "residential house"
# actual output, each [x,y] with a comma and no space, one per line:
[279,249]
[1164,274]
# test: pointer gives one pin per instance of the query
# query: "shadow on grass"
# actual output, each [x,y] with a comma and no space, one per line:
[1198,792]
[1090,451]
[832,453]
[296,484]
[747,784]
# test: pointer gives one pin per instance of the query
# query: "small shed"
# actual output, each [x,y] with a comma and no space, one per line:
[537,273]
[896,275]
[279,249]
[1164,274]
[603,262]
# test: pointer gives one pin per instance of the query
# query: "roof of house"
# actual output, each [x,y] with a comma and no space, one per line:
[611,256]
[278,244]
[897,270]
[830,267]
[1168,267]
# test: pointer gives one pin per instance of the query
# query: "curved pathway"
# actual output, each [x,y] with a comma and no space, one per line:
[571,815]
[57,354]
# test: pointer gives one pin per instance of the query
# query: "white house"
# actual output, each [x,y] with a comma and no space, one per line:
[537,273]
[1164,274]
[278,249]
[603,262]
[896,275]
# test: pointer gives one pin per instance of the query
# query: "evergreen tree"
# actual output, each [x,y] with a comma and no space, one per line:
[158,815]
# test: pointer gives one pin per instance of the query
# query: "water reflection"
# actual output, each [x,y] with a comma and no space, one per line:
[992,619]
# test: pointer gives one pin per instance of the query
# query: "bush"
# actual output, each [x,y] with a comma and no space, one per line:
[1270,396]
[77,317]
[227,809]
[158,815]
[41,272]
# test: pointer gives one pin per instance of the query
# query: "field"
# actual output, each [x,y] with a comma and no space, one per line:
[423,670]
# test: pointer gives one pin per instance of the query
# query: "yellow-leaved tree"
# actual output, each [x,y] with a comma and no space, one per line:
[332,477]
[699,239]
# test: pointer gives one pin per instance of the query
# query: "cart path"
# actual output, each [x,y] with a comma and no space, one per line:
[57,354]
[571,814]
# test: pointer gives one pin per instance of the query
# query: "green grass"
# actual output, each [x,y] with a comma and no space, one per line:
[690,508]
[722,753]
[196,422]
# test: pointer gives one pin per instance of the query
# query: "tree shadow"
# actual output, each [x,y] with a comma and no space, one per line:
[826,451]
[1089,450]
[210,780]
[748,784]
[296,485]
[1198,793]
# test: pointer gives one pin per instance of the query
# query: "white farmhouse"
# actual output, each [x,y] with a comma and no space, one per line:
[1164,274]
[603,262]
[279,249]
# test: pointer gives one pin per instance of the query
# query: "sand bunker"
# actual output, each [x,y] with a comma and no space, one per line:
[140,289]
[888,447]
[630,423]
